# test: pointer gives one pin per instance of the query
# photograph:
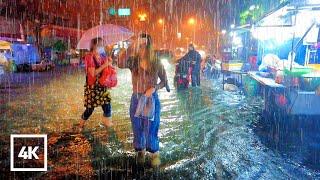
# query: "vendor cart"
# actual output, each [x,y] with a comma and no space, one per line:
[297,90]
[243,52]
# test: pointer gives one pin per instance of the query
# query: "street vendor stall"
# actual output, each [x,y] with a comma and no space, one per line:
[243,52]
[5,56]
[289,56]
[59,42]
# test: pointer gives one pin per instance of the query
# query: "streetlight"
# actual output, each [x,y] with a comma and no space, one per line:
[219,36]
[191,21]
[142,17]
[161,21]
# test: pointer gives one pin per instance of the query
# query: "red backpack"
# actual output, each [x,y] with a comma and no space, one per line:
[108,77]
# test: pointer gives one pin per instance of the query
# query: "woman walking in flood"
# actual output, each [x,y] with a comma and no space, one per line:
[96,95]
[145,104]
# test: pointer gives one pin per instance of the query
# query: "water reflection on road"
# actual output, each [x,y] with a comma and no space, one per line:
[205,132]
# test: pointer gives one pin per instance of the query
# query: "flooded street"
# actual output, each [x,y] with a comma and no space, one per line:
[205,133]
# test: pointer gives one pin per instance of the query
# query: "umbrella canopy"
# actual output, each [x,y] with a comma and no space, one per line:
[5,45]
[110,34]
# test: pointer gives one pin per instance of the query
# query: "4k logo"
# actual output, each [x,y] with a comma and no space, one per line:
[28,152]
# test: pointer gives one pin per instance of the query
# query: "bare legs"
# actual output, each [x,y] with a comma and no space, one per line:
[106,121]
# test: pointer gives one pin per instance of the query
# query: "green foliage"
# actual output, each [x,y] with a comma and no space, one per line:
[249,16]
[60,46]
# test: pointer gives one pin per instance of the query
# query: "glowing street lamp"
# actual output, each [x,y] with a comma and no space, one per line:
[191,21]
[142,17]
[161,21]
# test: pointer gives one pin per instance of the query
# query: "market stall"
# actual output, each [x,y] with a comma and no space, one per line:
[58,42]
[288,56]
[242,56]
[6,58]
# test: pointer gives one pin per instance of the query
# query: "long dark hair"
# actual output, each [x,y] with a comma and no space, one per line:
[152,59]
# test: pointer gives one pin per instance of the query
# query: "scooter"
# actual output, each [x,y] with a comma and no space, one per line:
[182,76]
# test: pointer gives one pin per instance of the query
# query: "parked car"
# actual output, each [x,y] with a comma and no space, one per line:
[44,65]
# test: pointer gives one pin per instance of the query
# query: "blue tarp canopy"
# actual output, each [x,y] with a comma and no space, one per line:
[25,53]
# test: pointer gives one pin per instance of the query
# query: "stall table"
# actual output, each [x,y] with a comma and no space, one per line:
[239,75]
[297,102]
[265,81]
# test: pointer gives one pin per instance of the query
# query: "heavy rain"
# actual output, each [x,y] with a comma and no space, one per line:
[159,89]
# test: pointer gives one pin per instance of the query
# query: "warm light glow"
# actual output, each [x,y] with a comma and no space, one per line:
[202,53]
[191,21]
[179,35]
[142,17]
[161,21]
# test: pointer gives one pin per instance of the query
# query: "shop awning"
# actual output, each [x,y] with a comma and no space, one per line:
[5,45]
[285,14]
[290,20]
[59,31]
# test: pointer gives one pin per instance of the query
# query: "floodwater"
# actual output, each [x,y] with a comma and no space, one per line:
[206,133]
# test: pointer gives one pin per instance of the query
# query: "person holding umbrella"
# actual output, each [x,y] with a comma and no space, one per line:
[146,69]
[94,94]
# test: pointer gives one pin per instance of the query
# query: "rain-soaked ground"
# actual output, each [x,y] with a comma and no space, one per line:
[206,133]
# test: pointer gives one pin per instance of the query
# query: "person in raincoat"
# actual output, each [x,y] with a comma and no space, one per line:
[195,59]
[146,69]
[94,94]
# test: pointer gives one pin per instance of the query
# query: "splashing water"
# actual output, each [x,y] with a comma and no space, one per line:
[205,132]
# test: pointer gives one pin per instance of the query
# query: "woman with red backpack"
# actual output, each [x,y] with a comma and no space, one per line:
[98,83]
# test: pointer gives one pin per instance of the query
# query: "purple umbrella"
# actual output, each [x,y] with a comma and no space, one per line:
[110,34]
